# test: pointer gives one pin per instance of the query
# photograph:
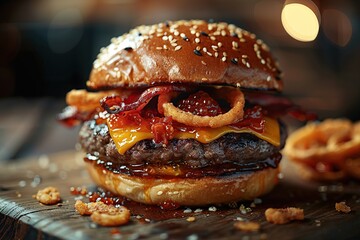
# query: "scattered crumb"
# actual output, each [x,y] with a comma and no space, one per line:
[198,210]
[342,207]
[48,196]
[102,214]
[247,226]
[191,219]
[188,210]
[212,209]
[283,215]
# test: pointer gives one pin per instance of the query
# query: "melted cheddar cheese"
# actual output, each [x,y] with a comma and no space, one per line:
[125,138]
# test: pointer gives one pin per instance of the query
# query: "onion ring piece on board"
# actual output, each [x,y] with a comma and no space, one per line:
[233,95]
[333,140]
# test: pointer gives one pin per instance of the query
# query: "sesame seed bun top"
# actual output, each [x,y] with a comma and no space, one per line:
[186,52]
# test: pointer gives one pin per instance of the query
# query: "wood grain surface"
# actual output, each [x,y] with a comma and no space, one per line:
[22,217]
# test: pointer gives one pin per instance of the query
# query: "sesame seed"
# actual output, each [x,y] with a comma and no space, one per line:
[184,37]
[171,38]
[176,33]
[234,60]
[203,63]
[204,79]
[224,54]
[165,47]
[165,38]
[213,38]
[197,52]
[243,61]
[193,31]
[204,34]
[223,33]
[173,44]
[209,53]
[223,59]
[268,78]
[216,54]
[198,48]
[159,193]
[242,40]
[219,44]
[262,61]
[191,219]
[159,48]
[198,210]
[259,41]
[204,49]
[264,47]
[210,27]
[244,56]
[214,47]
[197,40]
[235,44]
[253,36]
[177,48]
[197,34]
[248,65]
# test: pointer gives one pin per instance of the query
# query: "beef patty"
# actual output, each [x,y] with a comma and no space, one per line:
[241,148]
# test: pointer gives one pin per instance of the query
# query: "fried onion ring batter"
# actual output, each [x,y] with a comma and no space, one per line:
[233,95]
[328,151]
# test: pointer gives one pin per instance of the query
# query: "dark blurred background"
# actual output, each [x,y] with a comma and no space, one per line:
[47,48]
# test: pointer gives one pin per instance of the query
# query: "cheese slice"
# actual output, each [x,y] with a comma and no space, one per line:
[125,138]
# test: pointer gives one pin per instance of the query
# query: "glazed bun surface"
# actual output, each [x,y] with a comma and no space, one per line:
[186,52]
[186,191]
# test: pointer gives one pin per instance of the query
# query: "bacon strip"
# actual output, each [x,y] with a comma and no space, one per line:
[278,105]
[114,105]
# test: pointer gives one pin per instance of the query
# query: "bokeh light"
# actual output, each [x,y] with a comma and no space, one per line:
[300,20]
[337,26]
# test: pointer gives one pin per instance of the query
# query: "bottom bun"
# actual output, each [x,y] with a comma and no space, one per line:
[186,191]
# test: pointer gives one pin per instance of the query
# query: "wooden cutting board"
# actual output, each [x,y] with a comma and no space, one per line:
[22,217]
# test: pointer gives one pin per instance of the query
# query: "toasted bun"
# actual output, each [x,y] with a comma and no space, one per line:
[186,191]
[186,52]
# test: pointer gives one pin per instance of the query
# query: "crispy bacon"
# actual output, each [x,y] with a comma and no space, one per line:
[114,105]
[278,105]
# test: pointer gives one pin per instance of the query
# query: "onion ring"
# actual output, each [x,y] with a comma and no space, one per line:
[233,95]
[334,142]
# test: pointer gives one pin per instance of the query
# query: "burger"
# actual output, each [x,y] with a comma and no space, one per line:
[184,112]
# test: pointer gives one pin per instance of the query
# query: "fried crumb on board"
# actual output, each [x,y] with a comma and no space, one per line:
[283,215]
[247,226]
[48,196]
[102,214]
[342,207]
